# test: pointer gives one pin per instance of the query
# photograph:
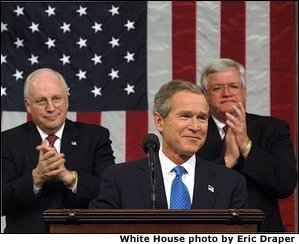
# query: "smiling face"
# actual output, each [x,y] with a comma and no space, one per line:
[225,89]
[47,101]
[184,129]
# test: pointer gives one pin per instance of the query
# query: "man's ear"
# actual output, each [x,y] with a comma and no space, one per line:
[158,121]
[27,105]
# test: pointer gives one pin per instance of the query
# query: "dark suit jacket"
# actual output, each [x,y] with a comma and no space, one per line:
[128,186]
[270,168]
[87,150]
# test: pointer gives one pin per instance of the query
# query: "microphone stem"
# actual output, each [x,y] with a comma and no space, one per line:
[152,163]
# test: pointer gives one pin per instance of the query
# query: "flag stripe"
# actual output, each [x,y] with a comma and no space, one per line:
[158,51]
[184,40]
[72,116]
[283,61]
[136,129]
[11,119]
[258,63]
[283,54]
[29,117]
[233,30]
[208,34]
[115,121]
[89,117]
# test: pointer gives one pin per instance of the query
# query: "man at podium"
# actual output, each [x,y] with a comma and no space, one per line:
[173,177]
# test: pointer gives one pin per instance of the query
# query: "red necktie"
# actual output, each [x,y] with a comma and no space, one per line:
[223,148]
[51,139]
[225,128]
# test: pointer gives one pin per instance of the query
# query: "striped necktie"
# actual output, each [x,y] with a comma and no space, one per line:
[51,139]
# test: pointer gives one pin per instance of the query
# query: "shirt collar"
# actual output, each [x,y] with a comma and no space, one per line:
[220,126]
[44,135]
[167,165]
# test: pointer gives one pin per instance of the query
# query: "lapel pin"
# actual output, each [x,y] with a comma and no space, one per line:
[73,143]
[210,188]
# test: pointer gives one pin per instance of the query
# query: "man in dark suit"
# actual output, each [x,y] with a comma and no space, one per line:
[259,147]
[38,173]
[181,116]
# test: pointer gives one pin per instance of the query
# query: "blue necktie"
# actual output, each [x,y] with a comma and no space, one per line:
[179,196]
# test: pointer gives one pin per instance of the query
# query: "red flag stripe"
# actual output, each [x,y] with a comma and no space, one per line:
[233,30]
[89,117]
[29,117]
[283,80]
[283,61]
[136,129]
[184,40]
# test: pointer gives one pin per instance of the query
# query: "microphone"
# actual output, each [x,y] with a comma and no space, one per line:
[151,146]
[151,142]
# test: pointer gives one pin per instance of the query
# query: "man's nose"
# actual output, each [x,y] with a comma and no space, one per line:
[50,105]
[226,90]
[194,123]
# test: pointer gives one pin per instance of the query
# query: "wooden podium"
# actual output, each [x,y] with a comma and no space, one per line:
[152,221]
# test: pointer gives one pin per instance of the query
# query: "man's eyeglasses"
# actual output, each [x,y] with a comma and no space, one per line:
[233,88]
[43,102]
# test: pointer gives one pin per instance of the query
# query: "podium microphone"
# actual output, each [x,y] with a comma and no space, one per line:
[151,146]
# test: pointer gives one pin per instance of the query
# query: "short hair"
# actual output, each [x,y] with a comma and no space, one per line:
[31,75]
[162,100]
[220,65]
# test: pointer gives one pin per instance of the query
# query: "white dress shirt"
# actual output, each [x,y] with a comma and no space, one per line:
[168,175]
[57,145]
[220,127]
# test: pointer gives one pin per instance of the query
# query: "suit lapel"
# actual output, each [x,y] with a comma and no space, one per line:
[160,188]
[251,131]
[212,146]
[144,181]
[251,126]
[32,140]
[205,188]
[70,142]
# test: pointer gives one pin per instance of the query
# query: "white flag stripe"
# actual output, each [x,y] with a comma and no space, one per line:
[208,33]
[12,119]
[257,62]
[159,51]
[116,123]
[72,116]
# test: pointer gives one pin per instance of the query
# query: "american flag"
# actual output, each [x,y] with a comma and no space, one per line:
[115,56]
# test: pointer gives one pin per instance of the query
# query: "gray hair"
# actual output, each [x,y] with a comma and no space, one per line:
[31,75]
[162,100]
[220,65]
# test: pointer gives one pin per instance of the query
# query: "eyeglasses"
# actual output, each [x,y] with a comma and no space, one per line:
[43,102]
[233,88]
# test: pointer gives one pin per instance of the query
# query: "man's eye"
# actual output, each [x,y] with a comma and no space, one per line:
[57,99]
[234,86]
[184,116]
[40,102]
[202,118]
[216,88]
